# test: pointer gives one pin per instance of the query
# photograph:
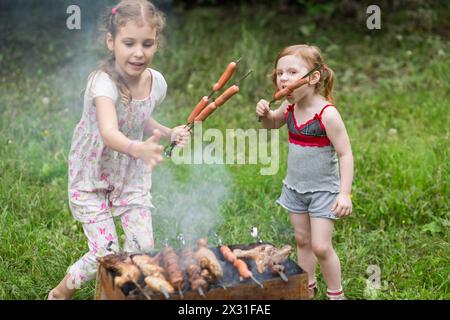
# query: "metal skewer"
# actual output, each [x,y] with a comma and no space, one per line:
[180,238]
[221,284]
[180,291]
[200,292]
[254,233]
[244,76]
[140,288]
[257,282]
[164,292]
[283,276]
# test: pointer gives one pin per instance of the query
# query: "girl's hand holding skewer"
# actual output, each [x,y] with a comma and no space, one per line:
[149,150]
[263,108]
[181,135]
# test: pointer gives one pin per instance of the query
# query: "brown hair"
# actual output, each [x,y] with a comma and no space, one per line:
[141,11]
[312,56]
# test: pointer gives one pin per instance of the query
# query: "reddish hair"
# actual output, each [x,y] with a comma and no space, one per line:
[311,55]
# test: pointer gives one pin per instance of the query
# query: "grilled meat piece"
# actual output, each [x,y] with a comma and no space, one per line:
[171,264]
[158,284]
[276,261]
[261,254]
[265,255]
[126,270]
[280,255]
[207,259]
[154,279]
[208,276]
[193,270]
[147,265]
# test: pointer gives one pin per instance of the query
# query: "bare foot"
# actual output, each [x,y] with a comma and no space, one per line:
[53,295]
[62,291]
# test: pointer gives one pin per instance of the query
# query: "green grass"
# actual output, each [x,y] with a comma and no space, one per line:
[401,190]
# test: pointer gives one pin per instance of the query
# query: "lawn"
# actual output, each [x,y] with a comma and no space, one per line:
[392,90]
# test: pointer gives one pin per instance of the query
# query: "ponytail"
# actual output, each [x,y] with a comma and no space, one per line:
[328,82]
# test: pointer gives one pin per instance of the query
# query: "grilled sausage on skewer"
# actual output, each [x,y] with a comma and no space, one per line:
[231,91]
[210,108]
[244,272]
[226,75]
[227,254]
[297,84]
[242,268]
[198,108]
[280,94]
[239,264]
[206,112]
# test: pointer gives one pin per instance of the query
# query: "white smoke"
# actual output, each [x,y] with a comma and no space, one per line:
[190,205]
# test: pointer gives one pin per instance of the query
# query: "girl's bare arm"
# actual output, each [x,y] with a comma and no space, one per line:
[149,151]
[108,123]
[152,125]
[337,133]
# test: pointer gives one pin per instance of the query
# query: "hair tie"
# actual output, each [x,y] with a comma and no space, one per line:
[113,10]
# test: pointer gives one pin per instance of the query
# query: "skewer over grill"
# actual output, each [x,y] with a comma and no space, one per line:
[200,270]
[127,271]
[276,261]
[172,267]
[207,259]
[239,264]
[193,271]
[154,274]
[266,255]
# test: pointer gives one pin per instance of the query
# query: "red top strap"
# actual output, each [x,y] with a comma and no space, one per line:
[290,108]
[321,111]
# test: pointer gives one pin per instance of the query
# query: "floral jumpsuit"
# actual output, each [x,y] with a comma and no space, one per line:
[104,183]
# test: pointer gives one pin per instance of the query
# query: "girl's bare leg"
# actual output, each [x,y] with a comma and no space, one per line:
[322,232]
[306,258]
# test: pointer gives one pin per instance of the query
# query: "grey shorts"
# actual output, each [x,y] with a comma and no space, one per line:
[317,204]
